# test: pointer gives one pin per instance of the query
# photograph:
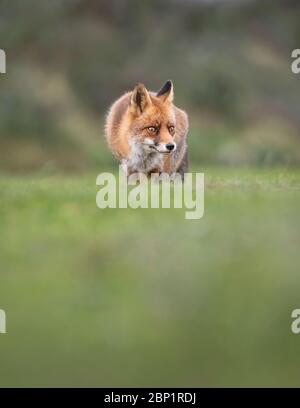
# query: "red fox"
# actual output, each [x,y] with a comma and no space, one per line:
[147,132]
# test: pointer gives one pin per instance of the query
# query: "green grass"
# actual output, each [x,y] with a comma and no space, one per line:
[144,297]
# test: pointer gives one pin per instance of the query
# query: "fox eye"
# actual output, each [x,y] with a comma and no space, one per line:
[152,129]
[171,129]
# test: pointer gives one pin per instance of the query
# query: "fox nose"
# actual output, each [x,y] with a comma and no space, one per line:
[170,146]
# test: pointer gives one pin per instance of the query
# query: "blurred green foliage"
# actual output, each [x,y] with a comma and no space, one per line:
[69,59]
[144,297]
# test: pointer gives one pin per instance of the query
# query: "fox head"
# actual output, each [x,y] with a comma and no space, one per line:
[152,124]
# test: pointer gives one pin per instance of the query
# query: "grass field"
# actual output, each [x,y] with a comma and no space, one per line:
[144,297]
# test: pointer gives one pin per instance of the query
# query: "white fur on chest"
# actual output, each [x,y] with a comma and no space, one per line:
[143,161]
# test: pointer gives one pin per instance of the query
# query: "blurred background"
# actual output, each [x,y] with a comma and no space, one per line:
[123,297]
[69,59]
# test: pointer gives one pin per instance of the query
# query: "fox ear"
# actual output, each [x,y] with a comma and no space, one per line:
[166,93]
[140,99]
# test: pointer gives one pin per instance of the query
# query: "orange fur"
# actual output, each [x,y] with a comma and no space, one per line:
[130,136]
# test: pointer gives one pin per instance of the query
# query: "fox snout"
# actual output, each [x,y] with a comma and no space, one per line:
[151,145]
[165,140]
[164,147]
[170,146]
